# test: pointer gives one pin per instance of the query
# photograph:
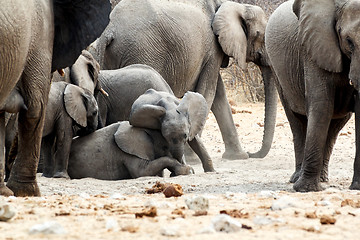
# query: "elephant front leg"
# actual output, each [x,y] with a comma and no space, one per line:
[223,115]
[197,145]
[139,168]
[4,190]
[355,184]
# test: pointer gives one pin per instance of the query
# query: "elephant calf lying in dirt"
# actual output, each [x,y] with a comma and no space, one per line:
[121,151]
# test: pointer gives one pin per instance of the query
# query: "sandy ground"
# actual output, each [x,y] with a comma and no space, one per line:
[94,209]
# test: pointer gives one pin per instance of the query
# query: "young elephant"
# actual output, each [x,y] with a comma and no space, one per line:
[178,121]
[68,105]
[121,151]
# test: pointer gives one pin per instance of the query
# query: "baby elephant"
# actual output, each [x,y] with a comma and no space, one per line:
[69,106]
[121,151]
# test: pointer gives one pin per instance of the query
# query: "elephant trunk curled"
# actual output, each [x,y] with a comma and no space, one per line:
[270,112]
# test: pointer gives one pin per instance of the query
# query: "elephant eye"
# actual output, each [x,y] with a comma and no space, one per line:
[350,44]
[94,113]
[185,136]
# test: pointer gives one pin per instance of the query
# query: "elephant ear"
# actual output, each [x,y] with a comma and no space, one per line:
[229,26]
[77,24]
[134,141]
[74,104]
[317,33]
[194,106]
[147,116]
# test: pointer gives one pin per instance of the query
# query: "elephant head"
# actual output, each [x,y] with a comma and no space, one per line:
[82,107]
[178,121]
[328,32]
[235,24]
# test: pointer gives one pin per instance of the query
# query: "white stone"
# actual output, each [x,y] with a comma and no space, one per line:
[112,224]
[118,196]
[284,202]
[259,220]
[267,194]
[225,223]
[7,212]
[197,203]
[170,231]
[84,195]
[51,227]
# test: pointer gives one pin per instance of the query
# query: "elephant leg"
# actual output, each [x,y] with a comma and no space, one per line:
[335,126]
[4,190]
[35,86]
[46,161]
[197,145]
[64,137]
[355,184]
[140,168]
[222,111]
[298,128]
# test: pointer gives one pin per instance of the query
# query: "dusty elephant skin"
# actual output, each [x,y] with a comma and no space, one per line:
[187,42]
[121,151]
[39,37]
[313,47]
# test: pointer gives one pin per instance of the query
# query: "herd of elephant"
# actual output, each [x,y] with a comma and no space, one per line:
[141,91]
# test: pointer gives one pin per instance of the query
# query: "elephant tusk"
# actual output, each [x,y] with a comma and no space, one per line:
[61,72]
[104,92]
[351,83]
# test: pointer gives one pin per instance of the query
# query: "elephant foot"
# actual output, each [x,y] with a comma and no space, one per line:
[295,176]
[182,170]
[62,174]
[48,175]
[324,177]
[355,185]
[308,184]
[232,155]
[24,189]
[5,191]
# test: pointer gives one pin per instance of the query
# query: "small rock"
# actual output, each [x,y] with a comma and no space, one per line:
[149,212]
[283,202]
[207,230]
[170,231]
[173,190]
[6,212]
[197,203]
[323,203]
[112,224]
[84,195]
[267,194]
[326,219]
[51,227]
[259,220]
[118,196]
[225,223]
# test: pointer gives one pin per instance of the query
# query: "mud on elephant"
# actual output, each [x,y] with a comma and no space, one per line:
[193,40]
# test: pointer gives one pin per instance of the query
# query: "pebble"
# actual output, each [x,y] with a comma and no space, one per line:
[268,194]
[197,203]
[118,196]
[225,223]
[51,227]
[283,202]
[6,212]
[170,231]
[259,220]
[112,224]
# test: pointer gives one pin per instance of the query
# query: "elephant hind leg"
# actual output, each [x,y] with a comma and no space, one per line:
[5,191]
[335,126]
[34,86]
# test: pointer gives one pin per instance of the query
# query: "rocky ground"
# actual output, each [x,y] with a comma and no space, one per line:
[254,195]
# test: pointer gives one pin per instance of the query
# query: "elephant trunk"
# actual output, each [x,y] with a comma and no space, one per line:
[270,112]
[177,152]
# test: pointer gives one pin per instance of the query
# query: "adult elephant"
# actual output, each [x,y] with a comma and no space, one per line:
[38,37]
[187,42]
[314,50]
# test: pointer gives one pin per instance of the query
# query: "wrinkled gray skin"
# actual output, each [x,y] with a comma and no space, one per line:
[124,86]
[313,47]
[37,38]
[68,106]
[178,120]
[121,151]
[187,42]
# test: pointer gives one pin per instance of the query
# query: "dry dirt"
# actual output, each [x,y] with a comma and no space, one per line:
[94,209]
